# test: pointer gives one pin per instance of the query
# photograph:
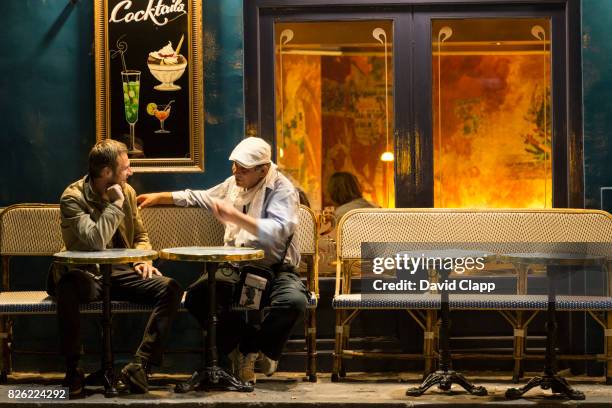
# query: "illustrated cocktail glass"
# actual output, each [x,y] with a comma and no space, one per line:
[131,95]
[162,113]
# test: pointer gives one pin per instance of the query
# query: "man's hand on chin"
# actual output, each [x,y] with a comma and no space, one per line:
[115,195]
[146,270]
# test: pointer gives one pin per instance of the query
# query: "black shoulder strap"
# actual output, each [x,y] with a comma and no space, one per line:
[276,267]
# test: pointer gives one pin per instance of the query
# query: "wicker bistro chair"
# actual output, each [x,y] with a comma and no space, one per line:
[33,230]
[497,231]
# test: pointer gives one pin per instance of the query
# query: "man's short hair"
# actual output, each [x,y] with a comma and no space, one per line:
[105,154]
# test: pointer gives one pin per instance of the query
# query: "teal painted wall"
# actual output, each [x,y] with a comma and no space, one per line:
[47,97]
[597,84]
[48,125]
[597,94]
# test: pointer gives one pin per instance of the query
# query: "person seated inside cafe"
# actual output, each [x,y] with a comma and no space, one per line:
[344,190]
[259,207]
[98,212]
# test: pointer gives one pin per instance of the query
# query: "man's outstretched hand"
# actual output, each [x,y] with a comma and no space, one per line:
[150,199]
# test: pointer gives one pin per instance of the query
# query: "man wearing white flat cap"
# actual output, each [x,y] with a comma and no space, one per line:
[259,207]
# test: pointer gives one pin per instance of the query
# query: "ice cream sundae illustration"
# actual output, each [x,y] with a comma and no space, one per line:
[167,65]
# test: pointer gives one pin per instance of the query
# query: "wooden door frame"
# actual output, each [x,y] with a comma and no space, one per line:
[413,185]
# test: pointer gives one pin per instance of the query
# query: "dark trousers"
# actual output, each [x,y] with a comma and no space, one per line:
[287,301]
[78,286]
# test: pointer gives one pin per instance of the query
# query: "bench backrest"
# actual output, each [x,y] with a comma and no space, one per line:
[30,229]
[34,229]
[175,227]
[172,226]
[500,227]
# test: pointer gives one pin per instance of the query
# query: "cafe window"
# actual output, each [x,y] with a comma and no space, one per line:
[492,112]
[334,106]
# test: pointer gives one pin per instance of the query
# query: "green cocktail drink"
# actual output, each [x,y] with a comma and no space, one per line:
[131,96]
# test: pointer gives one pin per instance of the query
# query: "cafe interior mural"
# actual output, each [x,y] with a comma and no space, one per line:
[491,109]
[491,113]
[333,108]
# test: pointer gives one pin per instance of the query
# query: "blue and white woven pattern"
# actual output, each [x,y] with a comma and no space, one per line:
[38,302]
[472,302]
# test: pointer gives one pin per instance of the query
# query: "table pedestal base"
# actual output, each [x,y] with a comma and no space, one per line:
[213,378]
[218,379]
[105,379]
[444,380]
[556,383]
[550,380]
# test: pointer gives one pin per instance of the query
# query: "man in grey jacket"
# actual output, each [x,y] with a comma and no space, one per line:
[99,211]
[259,208]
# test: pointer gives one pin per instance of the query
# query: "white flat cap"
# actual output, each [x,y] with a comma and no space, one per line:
[252,152]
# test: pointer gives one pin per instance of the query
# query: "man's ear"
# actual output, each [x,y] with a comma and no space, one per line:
[106,172]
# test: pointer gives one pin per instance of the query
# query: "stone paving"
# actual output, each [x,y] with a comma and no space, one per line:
[288,390]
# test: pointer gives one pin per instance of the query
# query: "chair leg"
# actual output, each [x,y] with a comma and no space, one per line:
[608,347]
[5,348]
[311,345]
[519,347]
[338,347]
[346,330]
[428,342]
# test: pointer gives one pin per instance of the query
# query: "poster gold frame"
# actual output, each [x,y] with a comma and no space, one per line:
[195,162]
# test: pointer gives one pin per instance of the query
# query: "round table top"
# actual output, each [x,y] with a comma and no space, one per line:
[212,254]
[553,258]
[107,256]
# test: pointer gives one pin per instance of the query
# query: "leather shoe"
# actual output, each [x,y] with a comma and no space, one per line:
[192,384]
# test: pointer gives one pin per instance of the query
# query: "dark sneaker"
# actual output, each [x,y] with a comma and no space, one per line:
[266,364]
[135,377]
[75,382]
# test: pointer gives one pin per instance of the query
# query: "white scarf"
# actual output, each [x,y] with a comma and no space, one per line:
[253,198]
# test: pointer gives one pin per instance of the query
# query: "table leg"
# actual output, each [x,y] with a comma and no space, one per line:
[445,377]
[213,376]
[550,379]
[107,360]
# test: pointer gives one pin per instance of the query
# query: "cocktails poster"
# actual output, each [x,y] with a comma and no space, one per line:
[149,77]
